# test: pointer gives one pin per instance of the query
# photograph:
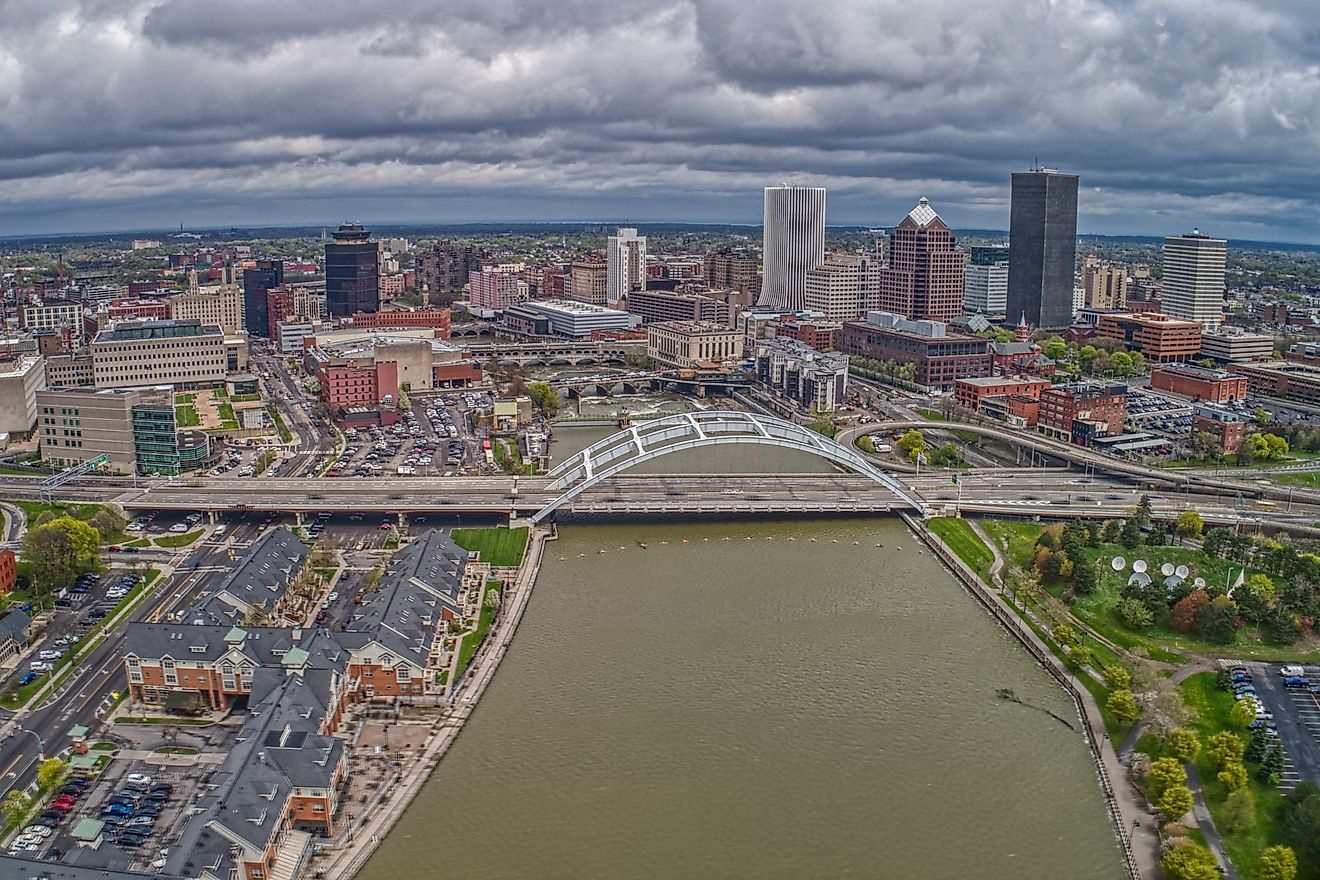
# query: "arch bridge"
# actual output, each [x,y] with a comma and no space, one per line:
[651,439]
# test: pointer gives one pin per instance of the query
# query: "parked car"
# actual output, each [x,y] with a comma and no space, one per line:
[1295,681]
[138,779]
[28,677]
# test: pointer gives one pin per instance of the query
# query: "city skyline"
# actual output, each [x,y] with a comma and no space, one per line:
[148,114]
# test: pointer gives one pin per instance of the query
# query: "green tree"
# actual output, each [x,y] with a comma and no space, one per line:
[1110,531]
[1144,511]
[1165,773]
[1081,656]
[1175,801]
[1117,678]
[1255,597]
[1055,348]
[545,398]
[59,551]
[1299,822]
[16,807]
[1240,810]
[1189,524]
[1218,621]
[1065,635]
[1233,776]
[1134,613]
[1183,744]
[1190,862]
[1242,713]
[1224,748]
[1130,535]
[911,444]
[1121,363]
[1272,767]
[1277,863]
[1123,706]
[50,772]
[1257,746]
[822,422]
[1085,576]
[1262,417]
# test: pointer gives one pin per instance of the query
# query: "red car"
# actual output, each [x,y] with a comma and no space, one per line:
[62,806]
[66,796]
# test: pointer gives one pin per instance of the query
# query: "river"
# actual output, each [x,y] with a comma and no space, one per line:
[767,699]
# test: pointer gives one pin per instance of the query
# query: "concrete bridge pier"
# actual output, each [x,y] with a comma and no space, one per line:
[403,522]
[298,519]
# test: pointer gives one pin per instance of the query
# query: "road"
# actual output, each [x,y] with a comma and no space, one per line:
[81,696]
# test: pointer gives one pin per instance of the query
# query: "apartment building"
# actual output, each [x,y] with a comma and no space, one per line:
[813,380]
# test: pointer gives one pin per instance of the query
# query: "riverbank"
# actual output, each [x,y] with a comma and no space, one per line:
[344,862]
[1134,826]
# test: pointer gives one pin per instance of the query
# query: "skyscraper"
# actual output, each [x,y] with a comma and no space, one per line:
[625,253]
[1194,278]
[794,241]
[256,282]
[352,275]
[1042,247]
[924,278]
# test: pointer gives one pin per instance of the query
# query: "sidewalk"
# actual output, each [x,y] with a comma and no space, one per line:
[1207,823]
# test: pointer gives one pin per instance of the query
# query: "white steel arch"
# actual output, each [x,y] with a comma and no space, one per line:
[657,437]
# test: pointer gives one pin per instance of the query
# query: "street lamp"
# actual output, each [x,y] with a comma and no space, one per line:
[41,746]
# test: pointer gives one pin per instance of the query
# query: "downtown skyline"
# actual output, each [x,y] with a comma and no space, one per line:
[151,114]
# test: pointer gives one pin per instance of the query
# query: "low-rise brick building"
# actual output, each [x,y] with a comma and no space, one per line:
[1199,383]
[971,393]
[1063,406]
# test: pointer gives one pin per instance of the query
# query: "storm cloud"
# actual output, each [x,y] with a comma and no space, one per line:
[123,114]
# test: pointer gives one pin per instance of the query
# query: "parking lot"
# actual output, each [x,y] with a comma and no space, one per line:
[137,809]
[78,607]
[1296,712]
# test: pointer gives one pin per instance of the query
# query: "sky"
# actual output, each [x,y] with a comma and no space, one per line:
[139,114]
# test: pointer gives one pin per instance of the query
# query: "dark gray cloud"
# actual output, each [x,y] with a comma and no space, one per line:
[133,113]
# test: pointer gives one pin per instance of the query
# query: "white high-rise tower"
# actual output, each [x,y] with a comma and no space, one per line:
[794,243]
[625,254]
[1193,280]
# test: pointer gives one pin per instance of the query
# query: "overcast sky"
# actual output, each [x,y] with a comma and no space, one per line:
[119,114]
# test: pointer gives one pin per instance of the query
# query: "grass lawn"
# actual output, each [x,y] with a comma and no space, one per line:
[500,547]
[473,640]
[1211,707]
[84,512]
[286,435]
[963,541]
[1306,479]
[1017,540]
[186,416]
[245,398]
[21,472]
[1158,642]
[174,541]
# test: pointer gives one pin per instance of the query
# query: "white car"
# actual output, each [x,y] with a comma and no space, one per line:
[38,830]
[138,779]
[332,597]
[39,666]
[51,655]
